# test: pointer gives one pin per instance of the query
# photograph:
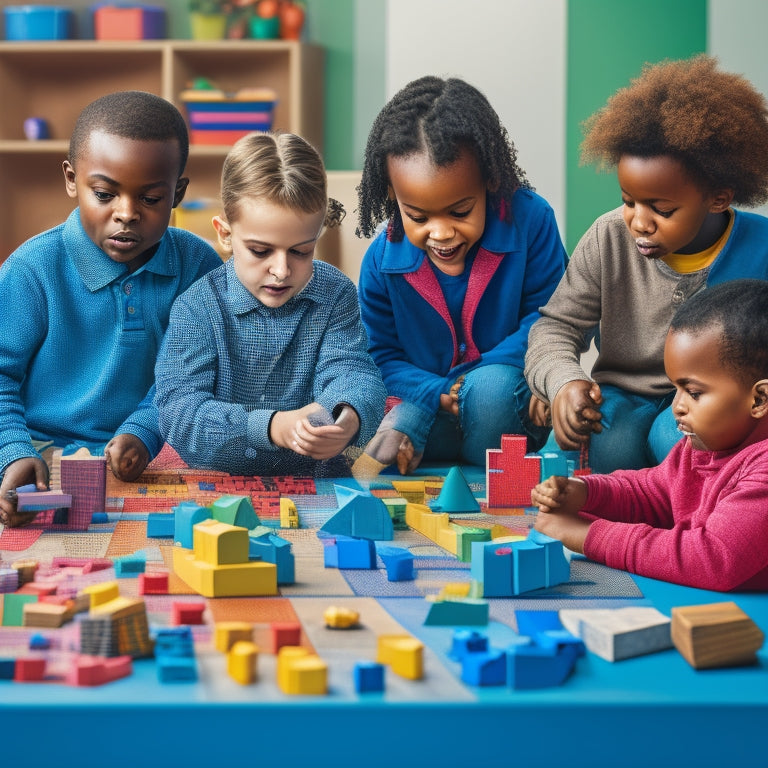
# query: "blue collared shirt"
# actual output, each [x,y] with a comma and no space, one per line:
[79,336]
[229,362]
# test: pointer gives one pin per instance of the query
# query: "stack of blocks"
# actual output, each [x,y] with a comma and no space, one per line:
[219,564]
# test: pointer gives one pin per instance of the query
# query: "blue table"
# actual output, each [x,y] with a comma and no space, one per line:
[648,711]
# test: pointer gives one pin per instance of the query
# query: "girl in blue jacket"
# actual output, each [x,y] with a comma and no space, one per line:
[451,285]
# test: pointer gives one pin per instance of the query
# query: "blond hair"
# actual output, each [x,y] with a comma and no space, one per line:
[282,168]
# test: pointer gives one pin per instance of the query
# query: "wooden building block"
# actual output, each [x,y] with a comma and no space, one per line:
[715,635]
[101,593]
[619,633]
[403,653]
[301,672]
[227,633]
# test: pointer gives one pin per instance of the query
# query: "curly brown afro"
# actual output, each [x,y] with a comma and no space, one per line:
[715,123]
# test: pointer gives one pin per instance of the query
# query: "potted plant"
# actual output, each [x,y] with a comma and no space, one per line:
[208,19]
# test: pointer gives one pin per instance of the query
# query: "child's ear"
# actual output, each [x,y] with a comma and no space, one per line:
[69,178]
[181,190]
[760,399]
[721,200]
[224,232]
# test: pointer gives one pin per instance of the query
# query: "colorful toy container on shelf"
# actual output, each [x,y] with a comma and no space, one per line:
[219,118]
[128,22]
[38,22]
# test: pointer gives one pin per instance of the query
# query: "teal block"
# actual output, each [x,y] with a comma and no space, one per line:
[235,510]
[186,516]
[528,566]
[13,608]
[458,613]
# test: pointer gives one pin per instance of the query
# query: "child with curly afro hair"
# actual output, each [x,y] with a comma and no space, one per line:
[688,141]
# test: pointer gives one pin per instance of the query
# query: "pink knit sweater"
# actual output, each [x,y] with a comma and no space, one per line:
[699,518]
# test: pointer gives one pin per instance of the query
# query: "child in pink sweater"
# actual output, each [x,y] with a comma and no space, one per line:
[701,517]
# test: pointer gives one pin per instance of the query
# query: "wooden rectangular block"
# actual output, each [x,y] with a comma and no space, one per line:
[715,635]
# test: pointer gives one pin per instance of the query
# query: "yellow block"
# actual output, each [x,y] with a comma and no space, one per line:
[289,515]
[228,633]
[237,580]
[448,539]
[101,593]
[413,491]
[403,653]
[454,589]
[119,608]
[241,662]
[301,672]
[220,543]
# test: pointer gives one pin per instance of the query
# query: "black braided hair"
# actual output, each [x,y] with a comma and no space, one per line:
[441,117]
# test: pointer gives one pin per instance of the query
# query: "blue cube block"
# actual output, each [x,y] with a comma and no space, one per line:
[466,641]
[161,525]
[7,669]
[369,677]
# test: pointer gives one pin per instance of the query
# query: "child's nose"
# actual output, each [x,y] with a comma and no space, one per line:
[279,267]
[441,230]
[125,210]
[642,221]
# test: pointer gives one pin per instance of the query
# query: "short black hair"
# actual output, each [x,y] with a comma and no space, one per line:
[441,117]
[133,115]
[740,309]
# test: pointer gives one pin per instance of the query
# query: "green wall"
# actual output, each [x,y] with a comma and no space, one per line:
[608,43]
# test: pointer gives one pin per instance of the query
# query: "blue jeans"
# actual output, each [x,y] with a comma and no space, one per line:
[493,401]
[638,431]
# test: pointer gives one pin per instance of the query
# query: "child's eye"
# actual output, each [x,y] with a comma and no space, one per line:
[302,254]
[627,203]
[259,253]
[694,395]
[461,214]
[416,219]
[151,200]
[664,214]
[101,196]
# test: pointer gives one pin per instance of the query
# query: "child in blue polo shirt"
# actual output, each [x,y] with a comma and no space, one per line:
[87,302]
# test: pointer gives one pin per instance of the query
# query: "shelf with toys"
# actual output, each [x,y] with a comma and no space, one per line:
[50,82]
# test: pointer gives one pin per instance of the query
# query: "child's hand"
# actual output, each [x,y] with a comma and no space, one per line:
[559,500]
[21,472]
[539,412]
[450,402]
[568,527]
[576,414]
[294,430]
[561,494]
[127,457]
[325,441]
